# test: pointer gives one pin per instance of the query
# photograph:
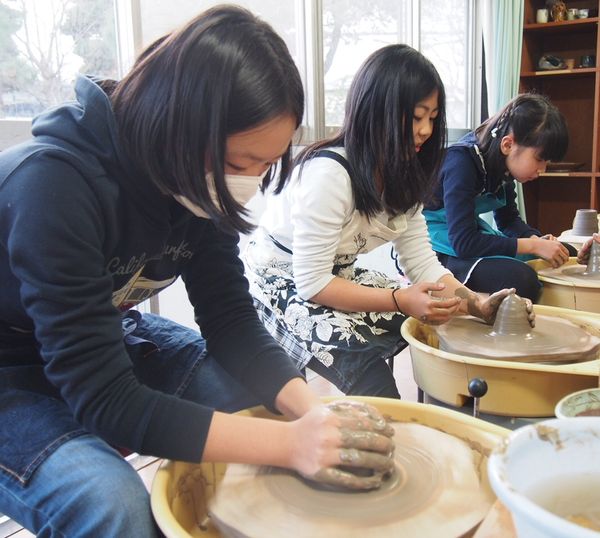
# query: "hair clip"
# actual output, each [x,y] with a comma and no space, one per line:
[494,132]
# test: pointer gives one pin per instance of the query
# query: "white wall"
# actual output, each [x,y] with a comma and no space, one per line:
[13,132]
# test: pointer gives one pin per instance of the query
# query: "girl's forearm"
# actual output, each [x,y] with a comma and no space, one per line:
[296,399]
[525,245]
[242,439]
[341,294]
[450,289]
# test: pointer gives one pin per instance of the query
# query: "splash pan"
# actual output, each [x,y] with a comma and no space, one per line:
[515,388]
[563,290]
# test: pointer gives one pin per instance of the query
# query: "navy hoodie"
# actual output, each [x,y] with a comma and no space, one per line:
[81,240]
[462,179]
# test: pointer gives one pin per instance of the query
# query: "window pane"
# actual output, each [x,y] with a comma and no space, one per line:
[45,43]
[351,31]
[445,41]
[159,17]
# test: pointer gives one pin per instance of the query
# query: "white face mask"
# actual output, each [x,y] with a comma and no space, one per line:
[241,188]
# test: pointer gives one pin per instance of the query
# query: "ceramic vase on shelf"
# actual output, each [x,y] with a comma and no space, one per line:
[557,9]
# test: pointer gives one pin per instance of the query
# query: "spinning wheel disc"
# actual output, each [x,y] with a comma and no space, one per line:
[555,340]
[434,491]
[579,271]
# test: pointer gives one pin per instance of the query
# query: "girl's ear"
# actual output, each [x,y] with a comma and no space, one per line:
[506,144]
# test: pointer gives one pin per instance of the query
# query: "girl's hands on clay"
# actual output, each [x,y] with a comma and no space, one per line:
[486,308]
[551,250]
[417,301]
[583,255]
[333,440]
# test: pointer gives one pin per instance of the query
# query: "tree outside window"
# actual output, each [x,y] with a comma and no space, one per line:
[45,43]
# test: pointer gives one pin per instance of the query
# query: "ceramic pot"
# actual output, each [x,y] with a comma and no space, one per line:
[585,222]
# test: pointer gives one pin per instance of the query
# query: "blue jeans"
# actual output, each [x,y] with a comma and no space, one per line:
[84,488]
[78,485]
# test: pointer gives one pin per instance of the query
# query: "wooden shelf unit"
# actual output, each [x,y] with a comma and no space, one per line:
[551,200]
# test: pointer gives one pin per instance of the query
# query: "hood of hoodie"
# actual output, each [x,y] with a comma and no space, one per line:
[86,131]
[490,184]
[469,143]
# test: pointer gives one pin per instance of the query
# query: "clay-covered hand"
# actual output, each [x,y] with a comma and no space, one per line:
[551,250]
[344,443]
[417,301]
[583,255]
[486,308]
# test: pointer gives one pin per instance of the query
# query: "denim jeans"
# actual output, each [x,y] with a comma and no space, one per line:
[78,485]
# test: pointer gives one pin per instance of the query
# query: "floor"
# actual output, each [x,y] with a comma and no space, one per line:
[147,466]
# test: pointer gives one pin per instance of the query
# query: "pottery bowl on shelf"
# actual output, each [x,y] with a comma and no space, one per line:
[547,475]
[579,404]
[585,222]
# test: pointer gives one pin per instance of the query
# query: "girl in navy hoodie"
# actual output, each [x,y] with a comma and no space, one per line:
[134,184]
[478,175]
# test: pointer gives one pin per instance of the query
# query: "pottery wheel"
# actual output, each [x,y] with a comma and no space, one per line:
[572,273]
[435,490]
[589,273]
[580,272]
[553,339]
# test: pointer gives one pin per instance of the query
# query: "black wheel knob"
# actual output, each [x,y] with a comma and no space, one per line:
[477,387]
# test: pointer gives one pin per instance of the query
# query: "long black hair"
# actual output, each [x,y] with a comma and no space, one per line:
[533,121]
[224,72]
[377,131]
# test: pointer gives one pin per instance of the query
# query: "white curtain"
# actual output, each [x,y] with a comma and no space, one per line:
[502,27]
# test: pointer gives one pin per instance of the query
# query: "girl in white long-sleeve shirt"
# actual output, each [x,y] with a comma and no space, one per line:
[348,195]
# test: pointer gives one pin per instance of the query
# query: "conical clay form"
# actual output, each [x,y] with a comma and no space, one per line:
[512,318]
[573,272]
[593,266]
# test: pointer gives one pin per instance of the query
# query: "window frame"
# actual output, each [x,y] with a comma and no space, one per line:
[309,20]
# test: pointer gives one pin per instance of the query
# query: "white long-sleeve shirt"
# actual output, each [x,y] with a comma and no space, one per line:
[316,218]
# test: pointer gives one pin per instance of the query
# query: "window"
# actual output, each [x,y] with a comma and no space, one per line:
[446,38]
[352,31]
[44,43]
[439,29]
